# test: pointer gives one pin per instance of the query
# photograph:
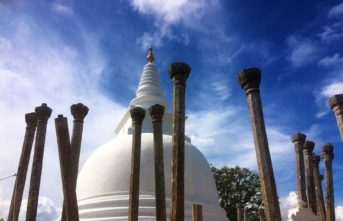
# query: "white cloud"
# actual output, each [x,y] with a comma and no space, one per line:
[332,89]
[336,10]
[169,13]
[332,61]
[37,68]
[339,213]
[62,9]
[224,135]
[332,32]
[302,50]
[287,203]
[47,209]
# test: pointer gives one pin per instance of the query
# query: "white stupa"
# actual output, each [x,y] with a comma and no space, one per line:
[104,181]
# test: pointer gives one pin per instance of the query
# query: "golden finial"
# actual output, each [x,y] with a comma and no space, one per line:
[150,56]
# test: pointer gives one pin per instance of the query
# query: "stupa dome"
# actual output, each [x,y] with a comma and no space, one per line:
[104,181]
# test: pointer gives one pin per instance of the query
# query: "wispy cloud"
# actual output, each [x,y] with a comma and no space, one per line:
[302,50]
[331,86]
[339,213]
[332,32]
[37,68]
[167,14]
[63,9]
[336,10]
[171,11]
[332,61]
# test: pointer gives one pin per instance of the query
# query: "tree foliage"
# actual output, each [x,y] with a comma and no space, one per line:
[238,186]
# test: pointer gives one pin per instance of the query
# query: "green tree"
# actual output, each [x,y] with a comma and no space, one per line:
[238,186]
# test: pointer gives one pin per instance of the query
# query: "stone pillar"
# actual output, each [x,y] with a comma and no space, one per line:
[249,80]
[239,215]
[311,196]
[179,73]
[197,212]
[67,168]
[17,196]
[327,156]
[79,112]
[245,215]
[336,104]
[43,113]
[262,214]
[137,115]
[321,189]
[298,139]
[156,112]
[317,184]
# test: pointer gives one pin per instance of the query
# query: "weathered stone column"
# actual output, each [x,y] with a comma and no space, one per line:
[17,196]
[262,214]
[317,184]
[197,212]
[179,73]
[311,196]
[156,112]
[43,113]
[321,189]
[298,139]
[239,213]
[336,104]
[249,80]
[137,115]
[327,156]
[79,112]
[67,168]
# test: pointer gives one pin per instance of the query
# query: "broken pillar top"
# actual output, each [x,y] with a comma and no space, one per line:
[309,146]
[336,100]
[249,79]
[43,112]
[137,114]
[79,111]
[179,72]
[327,151]
[31,119]
[298,137]
[156,112]
[315,160]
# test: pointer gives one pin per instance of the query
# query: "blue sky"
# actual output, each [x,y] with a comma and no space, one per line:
[63,52]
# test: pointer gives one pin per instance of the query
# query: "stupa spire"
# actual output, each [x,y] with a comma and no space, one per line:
[150,56]
[149,91]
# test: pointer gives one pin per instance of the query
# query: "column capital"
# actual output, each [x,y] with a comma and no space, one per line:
[31,119]
[315,160]
[336,100]
[79,111]
[179,72]
[156,112]
[327,151]
[137,114]
[298,137]
[309,146]
[250,79]
[43,112]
